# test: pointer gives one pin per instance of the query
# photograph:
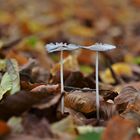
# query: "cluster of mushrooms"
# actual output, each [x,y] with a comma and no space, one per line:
[69,47]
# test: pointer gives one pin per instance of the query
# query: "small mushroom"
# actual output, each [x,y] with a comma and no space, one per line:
[61,47]
[98,47]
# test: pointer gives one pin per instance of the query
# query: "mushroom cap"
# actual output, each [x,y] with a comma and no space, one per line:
[100,47]
[60,46]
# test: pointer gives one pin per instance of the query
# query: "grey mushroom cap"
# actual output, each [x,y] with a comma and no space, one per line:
[60,46]
[100,47]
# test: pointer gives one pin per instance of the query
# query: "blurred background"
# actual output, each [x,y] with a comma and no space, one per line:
[82,22]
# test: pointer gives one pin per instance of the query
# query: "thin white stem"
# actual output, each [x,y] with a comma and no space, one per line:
[62,81]
[97,86]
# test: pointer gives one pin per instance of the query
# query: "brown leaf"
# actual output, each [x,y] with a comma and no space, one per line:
[135,85]
[75,79]
[127,95]
[136,3]
[119,128]
[81,101]
[48,109]
[136,137]
[132,111]
[18,56]
[107,110]
[80,119]
[27,86]
[22,101]
[46,88]
[36,127]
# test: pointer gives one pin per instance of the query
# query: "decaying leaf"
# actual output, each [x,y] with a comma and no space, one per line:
[135,85]
[65,125]
[107,110]
[132,111]
[4,128]
[46,88]
[13,71]
[81,101]
[20,102]
[70,63]
[20,58]
[2,65]
[39,128]
[77,79]
[15,123]
[10,81]
[119,69]
[80,119]
[5,85]
[119,128]
[89,128]
[126,96]
[48,108]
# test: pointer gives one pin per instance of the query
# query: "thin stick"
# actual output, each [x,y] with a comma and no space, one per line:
[97,86]
[62,81]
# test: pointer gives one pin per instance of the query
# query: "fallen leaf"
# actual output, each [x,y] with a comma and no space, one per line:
[13,71]
[48,108]
[107,110]
[36,127]
[20,58]
[89,129]
[119,128]
[18,103]
[132,111]
[119,69]
[5,85]
[2,65]
[15,123]
[126,96]
[4,128]
[76,79]
[65,125]
[81,101]
[70,63]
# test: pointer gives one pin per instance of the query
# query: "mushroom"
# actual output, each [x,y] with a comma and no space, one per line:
[61,47]
[98,47]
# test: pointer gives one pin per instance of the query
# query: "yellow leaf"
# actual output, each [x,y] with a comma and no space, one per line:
[119,69]
[70,63]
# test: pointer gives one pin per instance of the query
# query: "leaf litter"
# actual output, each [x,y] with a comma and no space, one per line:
[30,77]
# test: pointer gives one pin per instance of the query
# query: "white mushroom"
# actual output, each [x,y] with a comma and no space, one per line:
[61,47]
[98,47]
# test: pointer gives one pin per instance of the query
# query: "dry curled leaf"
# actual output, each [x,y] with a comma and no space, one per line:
[132,111]
[81,101]
[126,96]
[21,101]
[107,110]
[46,88]
[119,128]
